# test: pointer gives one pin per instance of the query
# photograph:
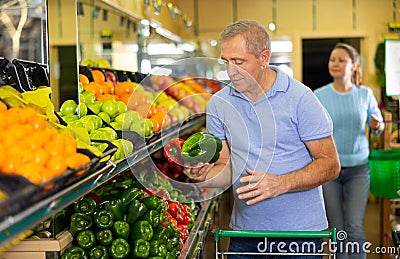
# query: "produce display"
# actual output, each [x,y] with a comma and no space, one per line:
[134,215]
[124,219]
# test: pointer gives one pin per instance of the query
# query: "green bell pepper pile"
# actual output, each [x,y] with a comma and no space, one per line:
[201,147]
[121,220]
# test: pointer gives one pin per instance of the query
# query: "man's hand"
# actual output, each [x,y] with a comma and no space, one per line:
[261,186]
[198,172]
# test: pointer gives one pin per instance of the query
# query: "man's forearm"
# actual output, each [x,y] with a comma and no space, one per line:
[315,174]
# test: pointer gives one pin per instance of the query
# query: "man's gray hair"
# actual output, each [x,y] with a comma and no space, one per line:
[256,36]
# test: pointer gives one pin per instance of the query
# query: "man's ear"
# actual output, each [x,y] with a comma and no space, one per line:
[264,57]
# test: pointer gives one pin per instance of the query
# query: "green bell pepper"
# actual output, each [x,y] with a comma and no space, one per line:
[121,229]
[158,249]
[162,206]
[116,208]
[151,202]
[201,147]
[80,222]
[161,234]
[171,255]
[74,252]
[141,230]
[103,219]
[151,216]
[141,248]
[85,205]
[136,209]
[86,239]
[173,243]
[98,252]
[104,237]
[119,248]
[128,195]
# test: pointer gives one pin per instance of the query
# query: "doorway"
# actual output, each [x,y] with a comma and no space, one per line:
[315,59]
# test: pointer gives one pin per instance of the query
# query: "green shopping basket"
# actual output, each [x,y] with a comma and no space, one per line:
[385,173]
[328,234]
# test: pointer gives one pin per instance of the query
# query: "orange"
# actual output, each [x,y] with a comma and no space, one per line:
[125,98]
[40,157]
[83,79]
[3,107]
[31,171]
[38,123]
[77,160]
[94,88]
[108,87]
[54,149]
[157,123]
[104,97]
[146,110]
[57,165]
[122,88]
[98,76]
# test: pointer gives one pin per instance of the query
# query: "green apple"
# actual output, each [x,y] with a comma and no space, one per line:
[148,127]
[69,118]
[110,107]
[98,135]
[68,107]
[88,123]
[178,113]
[81,109]
[87,62]
[104,116]
[91,118]
[127,146]
[102,62]
[119,154]
[95,107]
[127,118]
[116,125]
[80,87]
[150,96]
[87,97]
[124,121]
[138,127]
[121,107]
[76,124]
[110,132]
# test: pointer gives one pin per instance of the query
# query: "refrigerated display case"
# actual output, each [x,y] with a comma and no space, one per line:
[24,208]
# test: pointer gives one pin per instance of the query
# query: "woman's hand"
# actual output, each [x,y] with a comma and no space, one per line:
[374,122]
[261,186]
[198,172]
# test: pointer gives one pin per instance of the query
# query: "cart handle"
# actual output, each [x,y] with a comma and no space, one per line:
[331,234]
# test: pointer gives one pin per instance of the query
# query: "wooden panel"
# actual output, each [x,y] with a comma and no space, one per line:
[294,16]
[334,15]
[246,10]
[214,16]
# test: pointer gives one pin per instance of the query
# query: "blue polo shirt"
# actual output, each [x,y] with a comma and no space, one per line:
[269,135]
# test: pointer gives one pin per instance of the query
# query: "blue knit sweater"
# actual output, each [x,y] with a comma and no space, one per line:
[350,113]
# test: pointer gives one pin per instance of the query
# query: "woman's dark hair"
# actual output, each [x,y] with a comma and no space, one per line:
[355,59]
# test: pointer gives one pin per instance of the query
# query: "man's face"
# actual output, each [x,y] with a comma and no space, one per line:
[243,68]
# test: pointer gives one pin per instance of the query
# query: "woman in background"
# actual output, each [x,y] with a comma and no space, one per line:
[352,107]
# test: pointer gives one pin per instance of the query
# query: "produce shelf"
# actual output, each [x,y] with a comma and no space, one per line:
[14,225]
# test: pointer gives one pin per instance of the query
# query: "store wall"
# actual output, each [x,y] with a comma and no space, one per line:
[300,19]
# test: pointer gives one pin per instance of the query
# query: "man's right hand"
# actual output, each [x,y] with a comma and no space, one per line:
[197,172]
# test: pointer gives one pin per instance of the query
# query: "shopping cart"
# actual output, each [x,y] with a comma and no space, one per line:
[329,235]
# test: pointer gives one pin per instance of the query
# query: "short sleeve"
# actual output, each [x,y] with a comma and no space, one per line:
[314,121]
[214,124]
